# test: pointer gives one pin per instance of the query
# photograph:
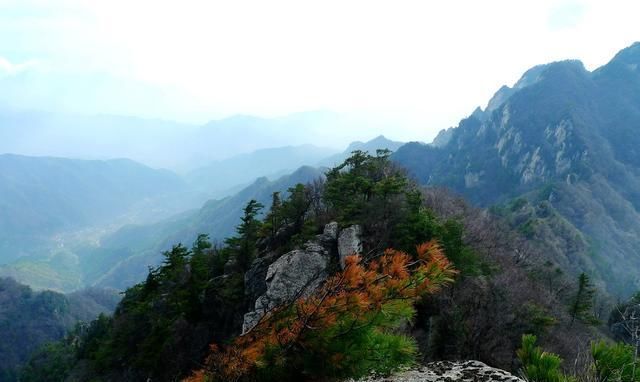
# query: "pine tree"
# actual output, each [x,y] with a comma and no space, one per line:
[273,221]
[244,244]
[582,303]
[346,328]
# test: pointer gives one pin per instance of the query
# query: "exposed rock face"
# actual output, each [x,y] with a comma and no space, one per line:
[471,371]
[349,242]
[295,274]
[562,135]
[331,231]
[254,279]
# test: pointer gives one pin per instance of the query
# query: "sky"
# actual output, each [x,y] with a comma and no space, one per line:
[422,64]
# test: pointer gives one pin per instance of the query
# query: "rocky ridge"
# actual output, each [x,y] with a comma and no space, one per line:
[466,371]
[563,136]
[299,272]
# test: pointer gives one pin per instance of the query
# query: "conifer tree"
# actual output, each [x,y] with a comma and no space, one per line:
[273,221]
[244,244]
[582,303]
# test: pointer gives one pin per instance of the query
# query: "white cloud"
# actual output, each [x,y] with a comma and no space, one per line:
[426,63]
[7,68]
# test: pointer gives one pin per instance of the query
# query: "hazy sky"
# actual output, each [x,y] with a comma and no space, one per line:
[426,63]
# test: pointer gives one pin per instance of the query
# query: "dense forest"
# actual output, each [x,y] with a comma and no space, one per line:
[30,319]
[423,277]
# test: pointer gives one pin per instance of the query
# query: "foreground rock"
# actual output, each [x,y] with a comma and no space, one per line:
[295,274]
[276,281]
[349,242]
[471,371]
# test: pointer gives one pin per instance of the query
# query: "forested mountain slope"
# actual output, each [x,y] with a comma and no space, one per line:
[378,309]
[121,259]
[42,197]
[225,177]
[562,136]
[29,319]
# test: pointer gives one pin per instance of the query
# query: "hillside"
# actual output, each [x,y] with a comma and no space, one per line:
[222,178]
[298,255]
[29,319]
[122,258]
[42,198]
[562,136]
[124,232]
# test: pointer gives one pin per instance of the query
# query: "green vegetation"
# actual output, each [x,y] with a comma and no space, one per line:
[349,327]
[198,295]
[29,319]
[582,303]
[244,245]
[609,362]
[538,365]
[615,362]
[564,136]
[79,194]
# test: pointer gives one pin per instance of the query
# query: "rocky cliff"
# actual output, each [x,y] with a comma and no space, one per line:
[564,136]
[299,272]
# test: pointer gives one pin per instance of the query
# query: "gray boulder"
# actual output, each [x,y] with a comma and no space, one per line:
[467,371]
[296,274]
[331,231]
[349,242]
[254,279]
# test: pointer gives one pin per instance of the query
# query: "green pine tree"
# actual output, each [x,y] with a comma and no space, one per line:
[582,303]
[243,245]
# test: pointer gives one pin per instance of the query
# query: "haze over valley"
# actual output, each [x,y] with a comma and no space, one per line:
[359,191]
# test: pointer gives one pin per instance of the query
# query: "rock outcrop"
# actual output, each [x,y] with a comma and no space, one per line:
[467,371]
[273,282]
[349,242]
[295,274]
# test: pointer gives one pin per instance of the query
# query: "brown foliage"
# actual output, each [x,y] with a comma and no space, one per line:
[349,300]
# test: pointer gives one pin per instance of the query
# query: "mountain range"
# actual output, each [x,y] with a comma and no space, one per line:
[180,147]
[561,144]
[552,162]
[43,197]
[56,237]
[562,137]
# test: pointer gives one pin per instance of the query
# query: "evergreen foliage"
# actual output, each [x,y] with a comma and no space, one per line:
[364,184]
[615,362]
[538,365]
[197,296]
[582,303]
[347,328]
[244,244]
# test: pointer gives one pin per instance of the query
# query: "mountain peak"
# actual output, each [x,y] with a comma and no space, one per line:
[379,142]
[533,76]
[629,55]
[379,138]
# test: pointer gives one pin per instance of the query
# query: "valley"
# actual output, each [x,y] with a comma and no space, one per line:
[259,249]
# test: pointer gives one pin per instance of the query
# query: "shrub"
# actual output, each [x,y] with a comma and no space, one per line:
[615,362]
[347,328]
[538,365]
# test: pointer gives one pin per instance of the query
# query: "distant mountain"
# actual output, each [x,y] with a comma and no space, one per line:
[565,137]
[42,197]
[177,146]
[152,142]
[122,258]
[377,143]
[221,177]
[29,319]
